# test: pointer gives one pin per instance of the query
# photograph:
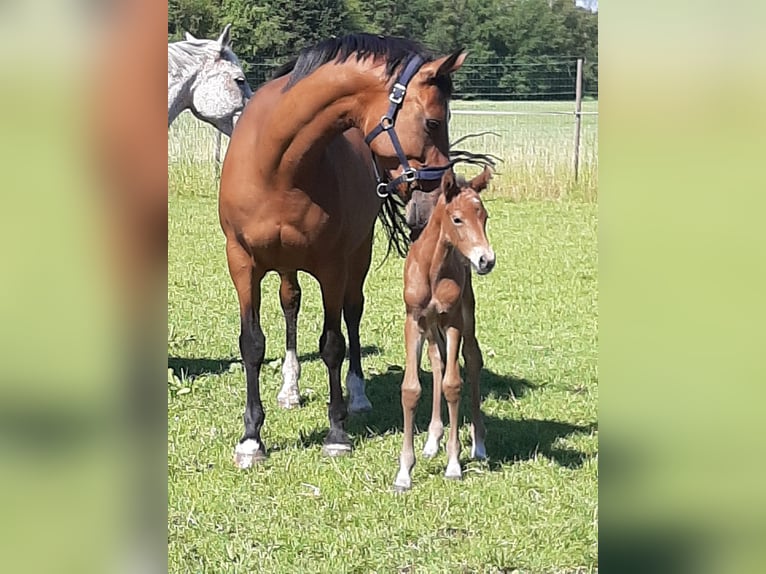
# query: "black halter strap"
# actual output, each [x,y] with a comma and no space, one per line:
[409,174]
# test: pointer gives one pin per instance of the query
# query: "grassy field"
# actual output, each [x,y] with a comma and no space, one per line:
[532,508]
[537,150]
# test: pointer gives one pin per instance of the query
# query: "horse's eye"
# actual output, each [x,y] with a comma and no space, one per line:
[240,81]
[433,124]
[456,220]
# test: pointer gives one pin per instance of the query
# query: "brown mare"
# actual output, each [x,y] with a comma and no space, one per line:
[440,309]
[298,193]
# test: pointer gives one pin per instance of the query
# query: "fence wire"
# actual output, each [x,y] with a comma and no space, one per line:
[529,108]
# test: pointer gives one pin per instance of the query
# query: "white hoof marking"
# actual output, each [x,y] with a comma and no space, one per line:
[431,449]
[403,481]
[453,471]
[334,450]
[247,453]
[289,396]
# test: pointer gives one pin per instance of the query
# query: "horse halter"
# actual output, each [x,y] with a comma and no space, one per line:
[409,174]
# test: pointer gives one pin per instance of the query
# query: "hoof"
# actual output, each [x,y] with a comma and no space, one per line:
[288,401]
[357,400]
[431,449]
[336,450]
[248,453]
[453,472]
[359,405]
[403,482]
[478,452]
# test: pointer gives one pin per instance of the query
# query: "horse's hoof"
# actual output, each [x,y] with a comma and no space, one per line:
[360,405]
[289,401]
[478,452]
[336,449]
[403,482]
[431,449]
[453,472]
[248,453]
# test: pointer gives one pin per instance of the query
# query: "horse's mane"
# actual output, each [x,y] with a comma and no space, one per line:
[395,51]
[422,204]
[186,55]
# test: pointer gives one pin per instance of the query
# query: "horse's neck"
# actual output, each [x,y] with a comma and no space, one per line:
[180,94]
[310,114]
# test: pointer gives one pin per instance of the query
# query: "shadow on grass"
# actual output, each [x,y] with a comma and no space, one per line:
[507,440]
[197,367]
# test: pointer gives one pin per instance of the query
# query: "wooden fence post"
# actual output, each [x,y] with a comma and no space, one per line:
[578,117]
[218,147]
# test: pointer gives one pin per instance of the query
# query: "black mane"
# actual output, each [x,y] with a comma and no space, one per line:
[395,50]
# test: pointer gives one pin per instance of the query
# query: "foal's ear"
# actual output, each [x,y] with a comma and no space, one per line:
[225,37]
[480,182]
[189,37]
[445,65]
[449,185]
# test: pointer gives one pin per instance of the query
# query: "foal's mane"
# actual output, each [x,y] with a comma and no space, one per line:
[395,51]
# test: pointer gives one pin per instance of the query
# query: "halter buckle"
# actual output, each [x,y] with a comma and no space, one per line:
[409,175]
[397,93]
[382,190]
[386,122]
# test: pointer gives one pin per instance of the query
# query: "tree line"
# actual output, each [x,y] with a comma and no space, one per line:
[520,49]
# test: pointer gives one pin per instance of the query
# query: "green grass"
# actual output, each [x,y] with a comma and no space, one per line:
[537,150]
[531,508]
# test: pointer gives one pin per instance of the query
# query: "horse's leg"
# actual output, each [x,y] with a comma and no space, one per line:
[451,386]
[252,344]
[332,348]
[436,427]
[413,343]
[353,307]
[473,365]
[290,298]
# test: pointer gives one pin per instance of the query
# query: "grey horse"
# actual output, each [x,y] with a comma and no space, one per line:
[205,77]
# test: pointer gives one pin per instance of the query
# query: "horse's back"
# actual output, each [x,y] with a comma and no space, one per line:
[326,211]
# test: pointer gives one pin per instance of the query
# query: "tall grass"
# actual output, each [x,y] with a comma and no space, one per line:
[536,150]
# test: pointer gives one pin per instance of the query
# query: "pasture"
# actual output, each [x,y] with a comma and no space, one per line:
[531,508]
[537,150]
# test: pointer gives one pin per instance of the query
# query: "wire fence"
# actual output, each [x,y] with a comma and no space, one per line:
[538,128]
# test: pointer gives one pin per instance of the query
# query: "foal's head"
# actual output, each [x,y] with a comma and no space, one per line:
[465,220]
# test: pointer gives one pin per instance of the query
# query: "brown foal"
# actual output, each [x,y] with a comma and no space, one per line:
[440,309]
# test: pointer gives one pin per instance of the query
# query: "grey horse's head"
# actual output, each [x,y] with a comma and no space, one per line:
[219,91]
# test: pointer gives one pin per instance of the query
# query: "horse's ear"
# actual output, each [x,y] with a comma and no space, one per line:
[449,185]
[189,37]
[445,65]
[480,182]
[225,37]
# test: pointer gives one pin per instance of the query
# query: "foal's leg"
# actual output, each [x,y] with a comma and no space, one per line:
[451,385]
[473,365]
[332,348]
[410,394]
[353,307]
[290,298]
[252,344]
[436,352]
